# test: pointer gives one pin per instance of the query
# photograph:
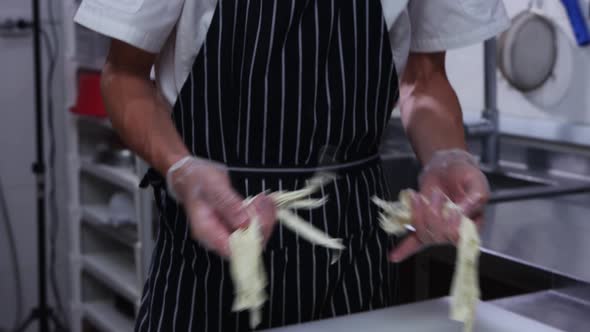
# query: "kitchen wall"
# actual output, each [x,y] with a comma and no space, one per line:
[563,99]
[17,152]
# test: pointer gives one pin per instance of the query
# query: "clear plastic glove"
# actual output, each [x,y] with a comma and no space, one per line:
[450,173]
[212,206]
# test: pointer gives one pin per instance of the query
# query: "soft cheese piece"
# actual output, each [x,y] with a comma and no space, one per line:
[247,271]
[395,219]
[465,288]
[287,201]
[396,216]
[307,231]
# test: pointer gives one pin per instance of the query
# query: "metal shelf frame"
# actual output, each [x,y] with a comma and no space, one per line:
[121,273]
[106,318]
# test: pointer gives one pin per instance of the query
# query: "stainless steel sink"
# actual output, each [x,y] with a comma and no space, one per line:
[504,181]
[506,184]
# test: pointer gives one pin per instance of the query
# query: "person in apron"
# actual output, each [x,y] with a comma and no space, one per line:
[277,92]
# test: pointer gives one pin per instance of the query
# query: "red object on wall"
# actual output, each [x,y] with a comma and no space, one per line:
[89,101]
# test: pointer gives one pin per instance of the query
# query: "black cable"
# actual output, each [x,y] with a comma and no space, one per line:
[52,46]
[54,226]
[14,256]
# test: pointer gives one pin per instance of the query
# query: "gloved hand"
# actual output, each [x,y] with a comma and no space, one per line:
[213,208]
[456,175]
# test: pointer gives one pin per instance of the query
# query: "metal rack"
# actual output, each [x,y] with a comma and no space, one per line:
[108,263]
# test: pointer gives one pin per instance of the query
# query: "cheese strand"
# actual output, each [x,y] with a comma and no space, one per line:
[308,231]
[247,270]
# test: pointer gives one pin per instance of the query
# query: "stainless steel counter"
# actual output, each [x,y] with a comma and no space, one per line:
[551,233]
[555,308]
[423,316]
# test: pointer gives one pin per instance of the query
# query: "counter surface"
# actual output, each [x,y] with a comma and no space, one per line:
[422,316]
[549,233]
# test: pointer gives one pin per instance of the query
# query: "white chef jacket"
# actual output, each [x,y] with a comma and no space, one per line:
[176,29]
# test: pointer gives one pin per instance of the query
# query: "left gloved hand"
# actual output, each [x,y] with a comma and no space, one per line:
[450,173]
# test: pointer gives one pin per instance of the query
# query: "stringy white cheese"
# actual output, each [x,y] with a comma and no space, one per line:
[395,219]
[246,245]
[247,271]
[287,201]
[465,287]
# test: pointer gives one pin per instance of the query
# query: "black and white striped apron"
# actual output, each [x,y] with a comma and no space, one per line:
[280,88]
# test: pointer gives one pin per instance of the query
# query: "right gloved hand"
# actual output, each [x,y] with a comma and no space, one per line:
[450,174]
[213,208]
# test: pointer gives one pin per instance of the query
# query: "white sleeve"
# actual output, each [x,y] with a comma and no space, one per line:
[439,25]
[145,24]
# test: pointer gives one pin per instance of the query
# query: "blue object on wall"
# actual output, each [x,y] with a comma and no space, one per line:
[578,21]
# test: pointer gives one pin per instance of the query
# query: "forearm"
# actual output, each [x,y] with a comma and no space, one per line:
[141,117]
[430,110]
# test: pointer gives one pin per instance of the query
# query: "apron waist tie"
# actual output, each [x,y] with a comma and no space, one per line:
[333,167]
[154,178]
